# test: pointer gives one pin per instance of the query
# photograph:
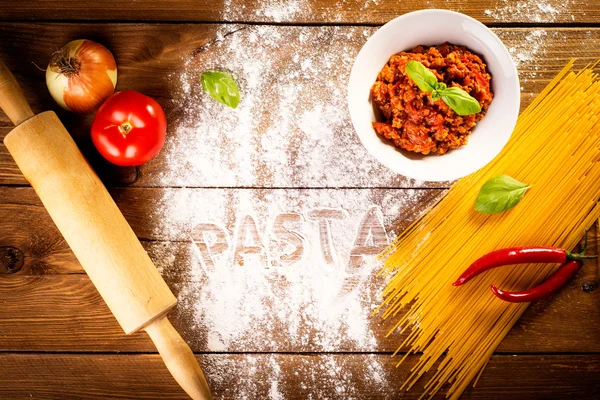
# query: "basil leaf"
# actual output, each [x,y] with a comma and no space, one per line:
[440,86]
[499,194]
[221,86]
[457,99]
[460,101]
[438,91]
[422,76]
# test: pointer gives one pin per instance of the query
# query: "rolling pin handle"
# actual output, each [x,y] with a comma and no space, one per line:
[179,359]
[12,100]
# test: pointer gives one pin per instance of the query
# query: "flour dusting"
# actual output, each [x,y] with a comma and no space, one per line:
[542,11]
[258,268]
[528,53]
[292,127]
[530,11]
[281,11]
[331,371]
[528,49]
[274,270]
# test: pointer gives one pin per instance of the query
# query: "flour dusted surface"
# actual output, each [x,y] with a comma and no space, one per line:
[292,126]
[281,270]
[261,269]
[531,11]
[265,376]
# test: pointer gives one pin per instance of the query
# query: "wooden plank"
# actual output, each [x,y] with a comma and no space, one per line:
[329,228]
[68,308]
[27,227]
[179,224]
[279,136]
[173,214]
[285,376]
[299,11]
[143,67]
[65,313]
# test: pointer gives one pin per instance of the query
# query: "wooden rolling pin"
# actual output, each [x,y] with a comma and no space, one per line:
[96,231]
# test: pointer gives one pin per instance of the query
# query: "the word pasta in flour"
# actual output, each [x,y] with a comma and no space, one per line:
[288,240]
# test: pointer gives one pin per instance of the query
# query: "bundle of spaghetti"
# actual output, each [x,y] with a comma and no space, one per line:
[555,148]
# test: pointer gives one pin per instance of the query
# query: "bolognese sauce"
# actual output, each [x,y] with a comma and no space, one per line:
[412,119]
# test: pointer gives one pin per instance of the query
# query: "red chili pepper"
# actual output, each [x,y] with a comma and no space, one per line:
[551,285]
[519,255]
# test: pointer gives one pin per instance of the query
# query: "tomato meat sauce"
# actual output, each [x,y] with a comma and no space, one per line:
[413,120]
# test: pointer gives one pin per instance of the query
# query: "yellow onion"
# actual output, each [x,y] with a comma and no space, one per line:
[81,76]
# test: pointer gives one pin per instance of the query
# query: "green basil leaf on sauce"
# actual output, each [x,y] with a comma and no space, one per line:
[457,99]
[460,101]
[221,86]
[422,76]
[499,194]
[438,90]
[440,86]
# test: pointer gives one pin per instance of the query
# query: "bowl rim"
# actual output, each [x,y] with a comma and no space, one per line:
[502,53]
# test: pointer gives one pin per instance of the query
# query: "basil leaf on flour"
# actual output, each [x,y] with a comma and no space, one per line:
[221,86]
[460,101]
[422,76]
[499,194]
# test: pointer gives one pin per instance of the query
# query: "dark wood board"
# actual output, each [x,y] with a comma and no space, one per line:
[79,321]
[127,376]
[57,338]
[300,11]
[152,57]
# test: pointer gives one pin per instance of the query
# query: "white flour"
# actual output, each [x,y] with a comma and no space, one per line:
[281,11]
[529,11]
[528,47]
[292,127]
[279,270]
[272,10]
[289,270]
[528,53]
[333,372]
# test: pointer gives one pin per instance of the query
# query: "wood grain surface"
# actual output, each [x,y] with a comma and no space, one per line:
[58,339]
[78,320]
[51,275]
[302,11]
[101,376]
[151,57]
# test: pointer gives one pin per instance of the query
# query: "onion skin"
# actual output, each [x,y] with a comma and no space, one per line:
[81,76]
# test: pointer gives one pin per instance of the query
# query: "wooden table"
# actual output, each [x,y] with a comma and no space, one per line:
[58,339]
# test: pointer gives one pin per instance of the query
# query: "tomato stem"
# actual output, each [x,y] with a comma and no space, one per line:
[125,128]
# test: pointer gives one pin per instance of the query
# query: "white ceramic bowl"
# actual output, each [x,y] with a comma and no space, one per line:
[434,27]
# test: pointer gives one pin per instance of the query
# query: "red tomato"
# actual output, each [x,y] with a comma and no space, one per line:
[129,128]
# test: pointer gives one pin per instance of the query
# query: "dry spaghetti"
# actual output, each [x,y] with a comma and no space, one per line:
[556,148]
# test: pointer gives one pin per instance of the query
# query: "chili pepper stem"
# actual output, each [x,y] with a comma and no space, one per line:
[578,256]
[522,255]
